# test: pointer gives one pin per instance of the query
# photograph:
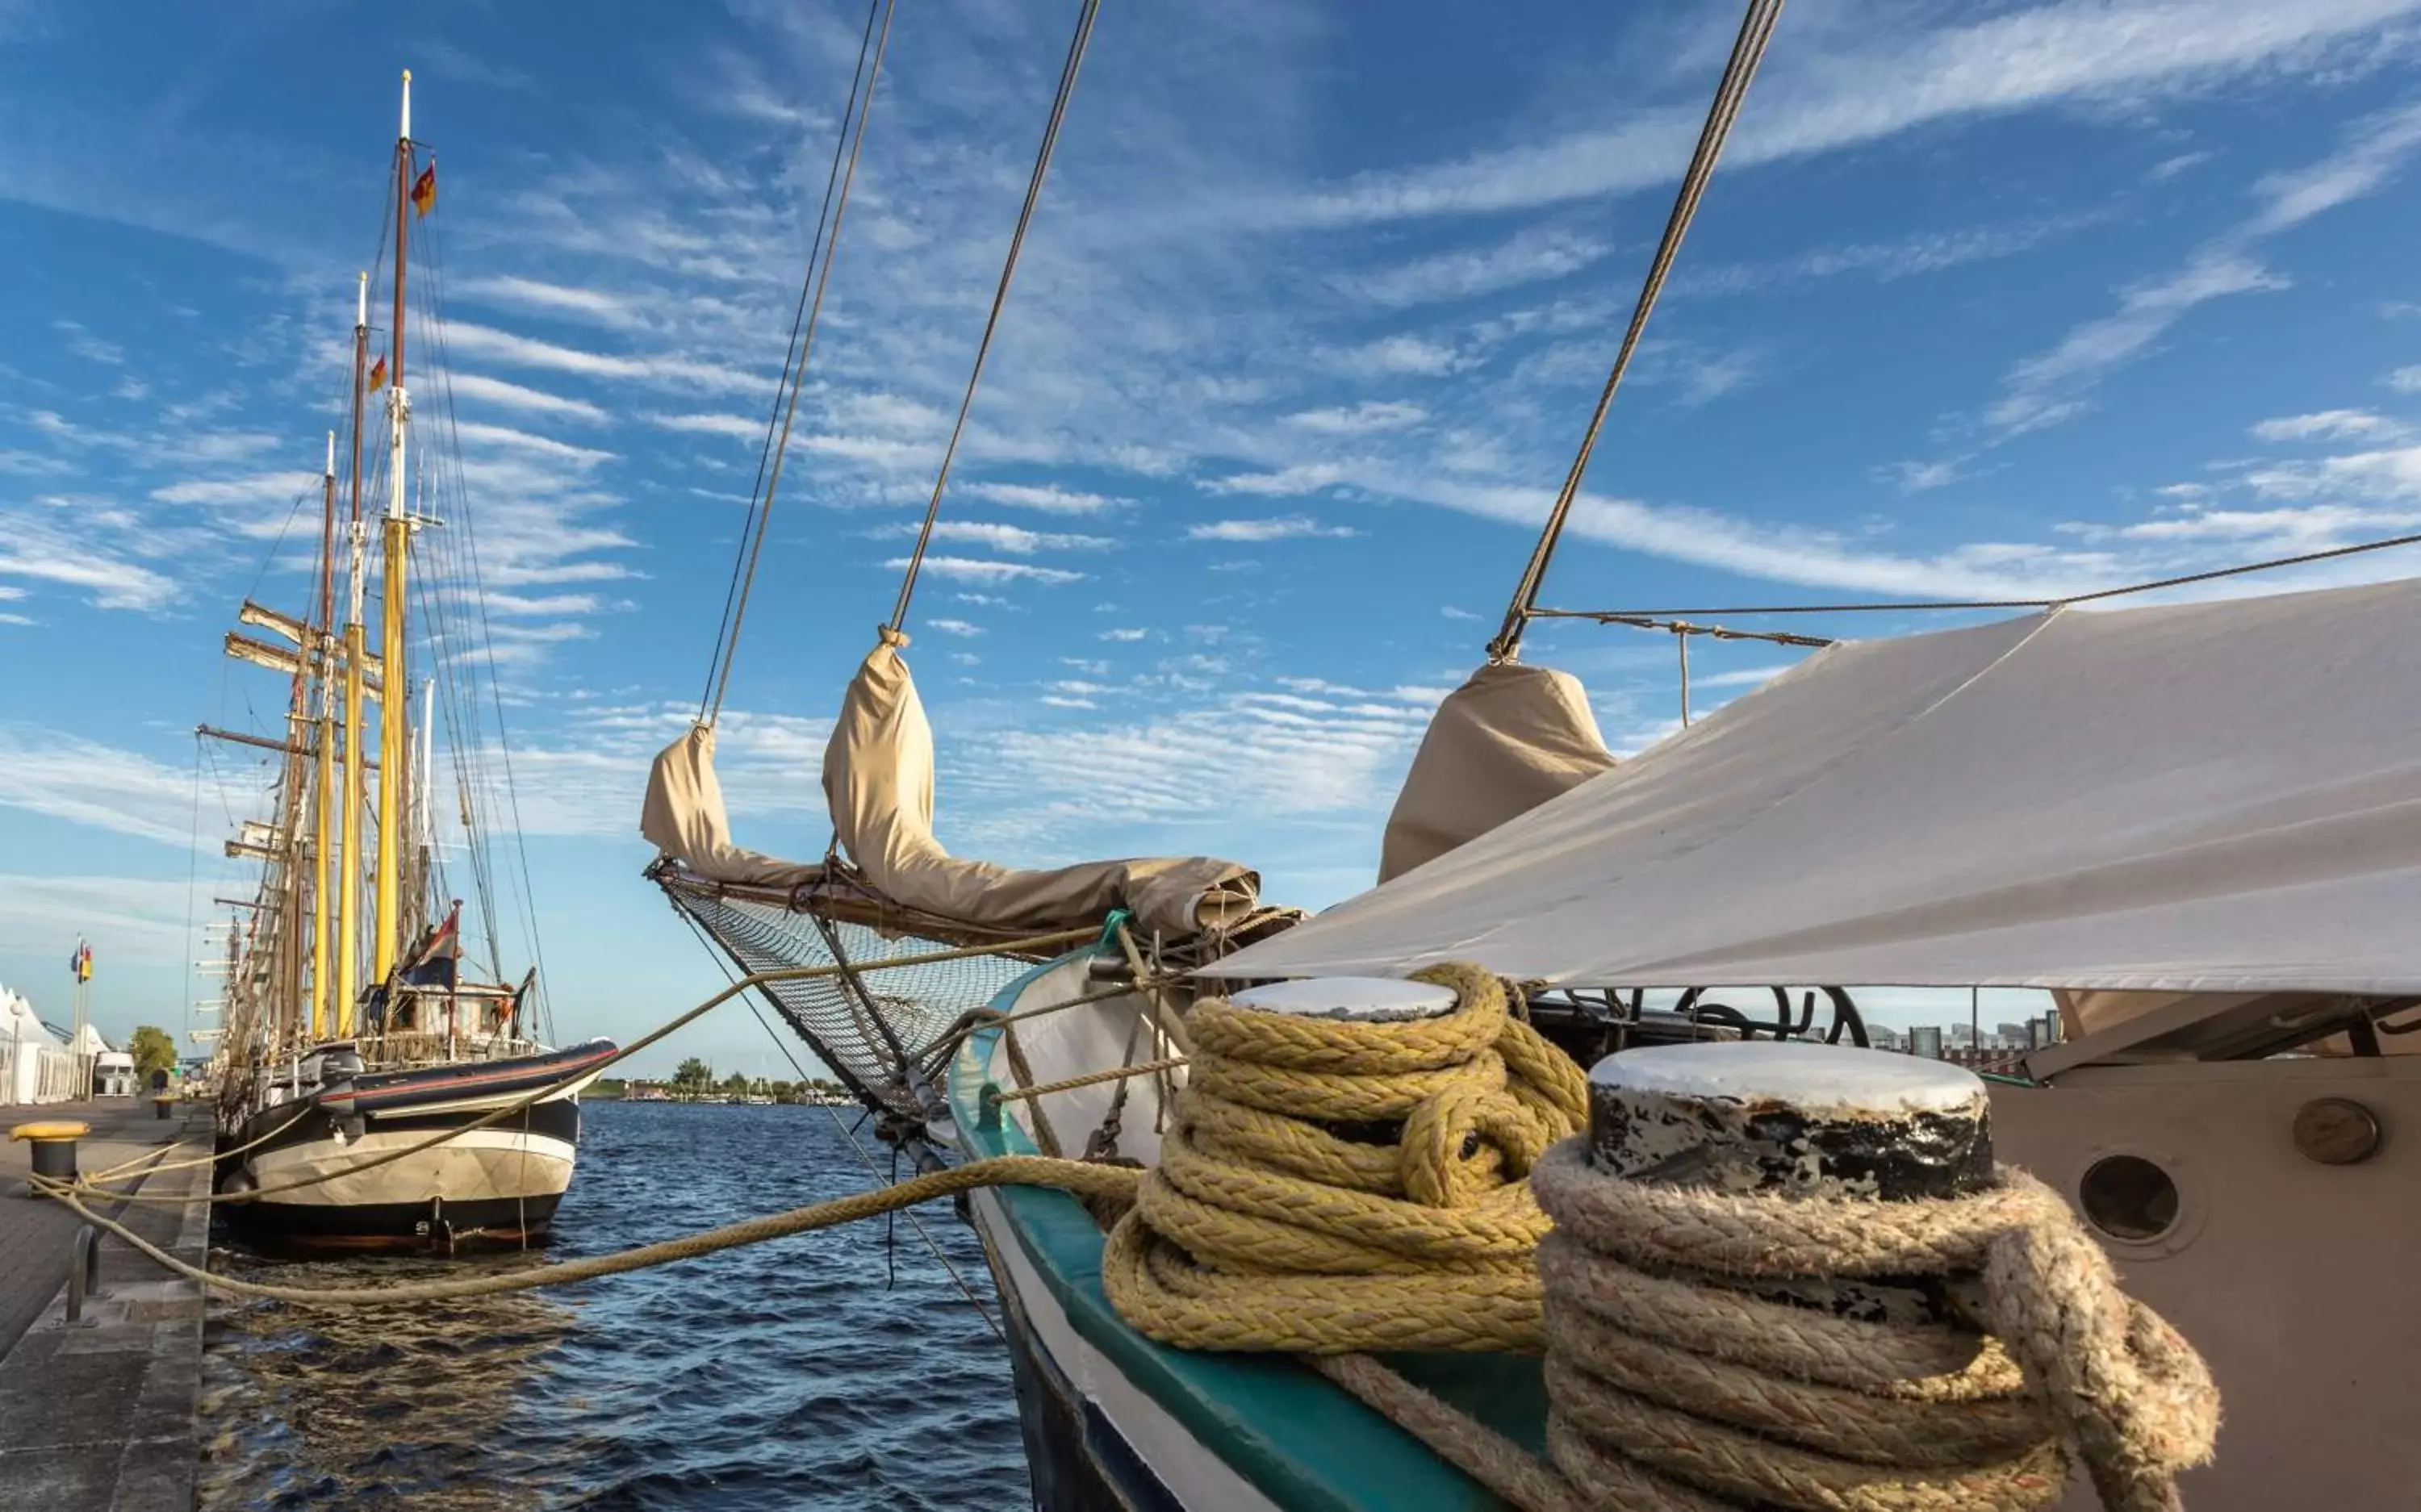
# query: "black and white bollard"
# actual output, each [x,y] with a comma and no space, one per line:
[1799,1120]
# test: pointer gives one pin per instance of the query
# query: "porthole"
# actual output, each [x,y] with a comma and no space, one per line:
[2128,1198]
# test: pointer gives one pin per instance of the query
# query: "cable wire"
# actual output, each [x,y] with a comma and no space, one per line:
[1076,47]
[1748,49]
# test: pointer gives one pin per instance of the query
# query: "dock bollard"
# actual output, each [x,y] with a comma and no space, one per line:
[53,1152]
[1799,1120]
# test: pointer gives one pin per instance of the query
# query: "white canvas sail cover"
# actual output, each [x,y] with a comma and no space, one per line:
[878,779]
[684,816]
[1506,740]
[2222,797]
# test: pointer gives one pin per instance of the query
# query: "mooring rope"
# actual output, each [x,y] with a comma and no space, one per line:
[1661,1363]
[558,1088]
[1283,1217]
[1263,1228]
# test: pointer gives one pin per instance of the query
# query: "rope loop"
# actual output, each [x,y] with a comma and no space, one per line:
[1664,1358]
[1330,1185]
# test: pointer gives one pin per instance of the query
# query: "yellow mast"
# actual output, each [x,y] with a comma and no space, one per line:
[324,730]
[348,880]
[392,705]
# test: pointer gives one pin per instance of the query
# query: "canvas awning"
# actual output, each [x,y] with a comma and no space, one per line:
[2217,797]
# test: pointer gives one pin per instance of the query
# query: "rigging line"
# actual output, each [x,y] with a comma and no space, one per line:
[760,498]
[2269,565]
[1748,49]
[846,1132]
[471,553]
[1075,61]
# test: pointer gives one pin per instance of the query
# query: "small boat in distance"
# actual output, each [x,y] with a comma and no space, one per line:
[337,1093]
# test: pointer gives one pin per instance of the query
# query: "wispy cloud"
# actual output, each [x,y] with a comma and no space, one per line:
[1285,527]
[65,777]
[1819,97]
[1038,496]
[527,351]
[591,306]
[976,570]
[2330,425]
[1367,418]
[482,390]
[954,627]
[738,427]
[1534,255]
[1015,540]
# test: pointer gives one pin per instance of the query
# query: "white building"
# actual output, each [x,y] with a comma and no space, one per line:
[34,1064]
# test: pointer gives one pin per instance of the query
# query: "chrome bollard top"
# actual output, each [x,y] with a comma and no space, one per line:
[1797,1119]
[1368,999]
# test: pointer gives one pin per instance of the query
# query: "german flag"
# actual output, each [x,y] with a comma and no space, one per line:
[424,189]
[378,375]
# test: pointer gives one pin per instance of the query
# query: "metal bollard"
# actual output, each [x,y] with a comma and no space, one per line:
[83,1273]
[52,1150]
[1799,1120]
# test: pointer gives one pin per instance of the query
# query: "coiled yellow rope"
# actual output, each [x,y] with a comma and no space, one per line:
[1265,1228]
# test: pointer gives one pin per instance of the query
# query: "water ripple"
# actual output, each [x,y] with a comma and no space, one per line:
[783,1375]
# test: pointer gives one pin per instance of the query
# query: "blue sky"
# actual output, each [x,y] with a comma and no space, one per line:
[1987,300]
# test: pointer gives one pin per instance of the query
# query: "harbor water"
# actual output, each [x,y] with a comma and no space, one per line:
[823,1370]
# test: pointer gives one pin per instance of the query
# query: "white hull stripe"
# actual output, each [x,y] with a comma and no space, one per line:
[479,1166]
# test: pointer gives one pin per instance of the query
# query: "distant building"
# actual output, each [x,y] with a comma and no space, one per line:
[1883,1037]
[35,1062]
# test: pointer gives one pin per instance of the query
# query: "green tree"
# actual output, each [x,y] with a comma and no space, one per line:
[736,1084]
[693,1077]
[152,1049]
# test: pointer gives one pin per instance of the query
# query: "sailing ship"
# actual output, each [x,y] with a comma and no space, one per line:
[2194,825]
[327,1071]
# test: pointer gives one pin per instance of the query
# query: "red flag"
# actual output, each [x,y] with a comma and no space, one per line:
[424,189]
[378,375]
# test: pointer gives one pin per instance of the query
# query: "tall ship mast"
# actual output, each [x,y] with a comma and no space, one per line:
[359,1022]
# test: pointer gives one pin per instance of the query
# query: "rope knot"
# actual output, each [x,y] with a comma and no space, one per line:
[1684,1364]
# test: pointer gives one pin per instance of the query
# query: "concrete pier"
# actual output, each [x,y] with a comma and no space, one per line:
[100,1416]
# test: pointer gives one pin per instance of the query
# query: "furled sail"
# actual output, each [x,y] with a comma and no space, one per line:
[878,780]
[1506,740]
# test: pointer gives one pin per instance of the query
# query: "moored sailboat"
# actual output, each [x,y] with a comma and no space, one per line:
[335,1086]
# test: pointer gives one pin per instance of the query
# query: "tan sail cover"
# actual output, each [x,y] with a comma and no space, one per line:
[1506,740]
[684,816]
[878,780]
[2221,797]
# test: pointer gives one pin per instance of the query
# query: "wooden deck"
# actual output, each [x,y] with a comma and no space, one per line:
[102,1416]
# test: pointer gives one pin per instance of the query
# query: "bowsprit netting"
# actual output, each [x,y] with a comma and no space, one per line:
[874,1030]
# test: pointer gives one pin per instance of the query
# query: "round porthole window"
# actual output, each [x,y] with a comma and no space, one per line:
[2128,1197]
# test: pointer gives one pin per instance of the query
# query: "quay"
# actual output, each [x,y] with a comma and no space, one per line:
[102,1415]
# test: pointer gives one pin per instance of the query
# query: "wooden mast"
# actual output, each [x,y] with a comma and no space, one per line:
[394,707]
[349,932]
